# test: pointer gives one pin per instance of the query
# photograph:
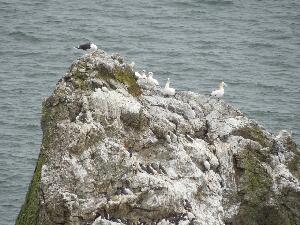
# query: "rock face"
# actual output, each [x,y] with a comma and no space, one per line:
[116,151]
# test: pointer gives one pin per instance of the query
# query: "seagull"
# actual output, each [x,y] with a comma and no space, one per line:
[137,75]
[219,92]
[167,90]
[151,80]
[87,47]
[144,74]
[140,75]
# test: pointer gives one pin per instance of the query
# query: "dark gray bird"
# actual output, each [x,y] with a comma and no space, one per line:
[88,47]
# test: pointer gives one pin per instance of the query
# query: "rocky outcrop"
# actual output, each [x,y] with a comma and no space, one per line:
[116,151]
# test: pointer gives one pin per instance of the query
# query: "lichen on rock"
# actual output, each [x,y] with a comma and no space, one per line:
[117,152]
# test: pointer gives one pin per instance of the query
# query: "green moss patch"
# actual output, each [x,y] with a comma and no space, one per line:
[30,210]
[253,133]
[127,77]
[255,192]
[80,80]
[257,181]
[122,75]
[255,187]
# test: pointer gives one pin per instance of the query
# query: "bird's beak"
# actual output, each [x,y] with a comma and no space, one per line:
[225,84]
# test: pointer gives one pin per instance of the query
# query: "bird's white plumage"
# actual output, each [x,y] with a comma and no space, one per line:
[90,47]
[105,89]
[127,191]
[93,47]
[168,91]
[151,80]
[219,92]
[141,75]
[206,165]
[137,75]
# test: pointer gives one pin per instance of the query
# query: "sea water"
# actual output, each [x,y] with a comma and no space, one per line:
[254,46]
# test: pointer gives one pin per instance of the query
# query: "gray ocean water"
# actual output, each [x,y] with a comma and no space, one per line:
[254,46]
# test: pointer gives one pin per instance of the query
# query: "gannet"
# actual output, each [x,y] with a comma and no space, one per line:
[219,92]
[87,47]
[137,75]
[140,75]
[144,74]
[167,90]
[151,80]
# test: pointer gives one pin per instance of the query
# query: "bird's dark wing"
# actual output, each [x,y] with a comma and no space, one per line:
[84,46]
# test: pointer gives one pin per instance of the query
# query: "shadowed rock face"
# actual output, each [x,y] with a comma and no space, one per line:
[116,152]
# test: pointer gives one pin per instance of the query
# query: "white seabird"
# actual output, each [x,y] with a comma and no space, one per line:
[219,92]
[144,74]
[137,75]
[87,47]
[206,165]
[168,90]
[151,80]
[140,75]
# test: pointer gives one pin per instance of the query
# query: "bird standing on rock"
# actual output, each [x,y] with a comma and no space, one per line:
[168,91]
[151,80]
[140,75]
[87,47]
[144,74]
[219,92]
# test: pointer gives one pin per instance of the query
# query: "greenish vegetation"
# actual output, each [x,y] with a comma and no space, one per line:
[122,75]
[253,133]
[30,209]
[80,78]
[127,77]
[255,186]
[258,181]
